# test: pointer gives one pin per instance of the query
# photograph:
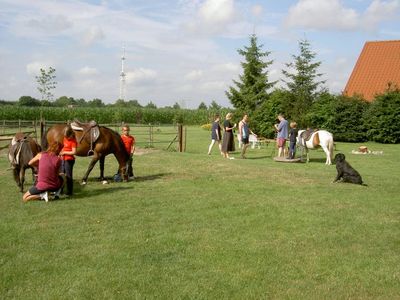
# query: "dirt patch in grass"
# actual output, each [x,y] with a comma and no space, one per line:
[143,151]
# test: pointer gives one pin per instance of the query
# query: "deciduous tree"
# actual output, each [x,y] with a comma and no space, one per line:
[46,83]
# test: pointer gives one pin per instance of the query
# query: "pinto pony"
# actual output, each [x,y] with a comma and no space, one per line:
[318,138]
[107,142]
[21,150]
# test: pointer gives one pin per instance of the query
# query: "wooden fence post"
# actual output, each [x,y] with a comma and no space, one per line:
[180,138]
[41,128]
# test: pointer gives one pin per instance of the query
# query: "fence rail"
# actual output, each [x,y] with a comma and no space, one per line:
[167,137]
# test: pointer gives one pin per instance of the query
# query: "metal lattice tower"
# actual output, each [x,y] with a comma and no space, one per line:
[122,77]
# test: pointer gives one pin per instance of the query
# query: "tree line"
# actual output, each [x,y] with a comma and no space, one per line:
[65,101]
[305,99]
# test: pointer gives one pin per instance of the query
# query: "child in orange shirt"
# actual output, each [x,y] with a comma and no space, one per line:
[67,153]
[129,142]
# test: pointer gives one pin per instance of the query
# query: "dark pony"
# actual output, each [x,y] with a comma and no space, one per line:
[107,142]
[21,150]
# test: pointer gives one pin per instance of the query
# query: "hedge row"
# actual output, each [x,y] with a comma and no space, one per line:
[109,114]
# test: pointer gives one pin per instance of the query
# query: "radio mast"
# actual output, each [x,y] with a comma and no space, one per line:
[122,77]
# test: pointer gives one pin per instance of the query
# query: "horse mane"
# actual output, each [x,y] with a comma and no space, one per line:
[118,140]
[44,143]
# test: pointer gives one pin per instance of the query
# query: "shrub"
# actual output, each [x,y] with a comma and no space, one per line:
[347,123]
[382,119]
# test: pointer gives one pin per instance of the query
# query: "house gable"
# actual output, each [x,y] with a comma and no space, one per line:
[377,67]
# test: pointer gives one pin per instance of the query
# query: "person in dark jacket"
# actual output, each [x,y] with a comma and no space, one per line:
[215,135]
[292,139]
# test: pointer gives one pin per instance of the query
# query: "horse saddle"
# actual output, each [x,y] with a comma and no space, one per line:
[91,128]
[15,148]
[306,134]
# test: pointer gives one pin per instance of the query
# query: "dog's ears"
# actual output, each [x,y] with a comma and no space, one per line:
[340,157]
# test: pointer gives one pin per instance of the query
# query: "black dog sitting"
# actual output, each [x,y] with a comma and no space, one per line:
[345,172]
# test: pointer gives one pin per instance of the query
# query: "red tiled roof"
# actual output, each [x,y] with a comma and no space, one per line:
[377,66]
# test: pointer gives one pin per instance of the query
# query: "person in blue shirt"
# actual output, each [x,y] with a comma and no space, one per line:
[282,134]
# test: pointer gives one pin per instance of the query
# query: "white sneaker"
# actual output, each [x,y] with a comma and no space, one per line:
[44,196]
[231,158]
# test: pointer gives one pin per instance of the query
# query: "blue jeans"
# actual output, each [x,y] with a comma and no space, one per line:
[292,150]
[68,166]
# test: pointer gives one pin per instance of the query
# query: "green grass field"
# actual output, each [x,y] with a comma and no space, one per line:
[198,226]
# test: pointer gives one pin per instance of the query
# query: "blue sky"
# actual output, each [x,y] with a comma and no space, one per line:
[181,51]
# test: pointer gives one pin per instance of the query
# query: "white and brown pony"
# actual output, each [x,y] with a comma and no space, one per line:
[318,138]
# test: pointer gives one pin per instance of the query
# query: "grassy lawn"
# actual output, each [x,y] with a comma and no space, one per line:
[198,226]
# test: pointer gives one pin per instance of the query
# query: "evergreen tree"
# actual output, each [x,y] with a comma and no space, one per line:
[302,83]
[252,89]
[214,106]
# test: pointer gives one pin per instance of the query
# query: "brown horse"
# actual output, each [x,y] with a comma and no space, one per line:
[107,142]
[21,150]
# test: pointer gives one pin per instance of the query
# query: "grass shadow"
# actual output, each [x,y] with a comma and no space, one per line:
[150,177]
[259,157]
[80,193]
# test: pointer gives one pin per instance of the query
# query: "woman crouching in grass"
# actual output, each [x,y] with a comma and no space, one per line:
[48,164]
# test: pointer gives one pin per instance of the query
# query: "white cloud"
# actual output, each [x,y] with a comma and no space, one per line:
[141,75]
[34,67]
[333,15]
[228,67]
[212,17]
[87,84]
[92,35]
[194,75]
[52,24]
[257,10]
[214,12]
[317,14]
[88,71]
[379,11]
[212,86]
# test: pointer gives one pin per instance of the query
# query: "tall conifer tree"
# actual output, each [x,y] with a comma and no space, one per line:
[252,88]
[302,82]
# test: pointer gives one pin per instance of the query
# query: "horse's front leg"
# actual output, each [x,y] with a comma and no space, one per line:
[102,161]
[16,171]
[21,179]
[90,168]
